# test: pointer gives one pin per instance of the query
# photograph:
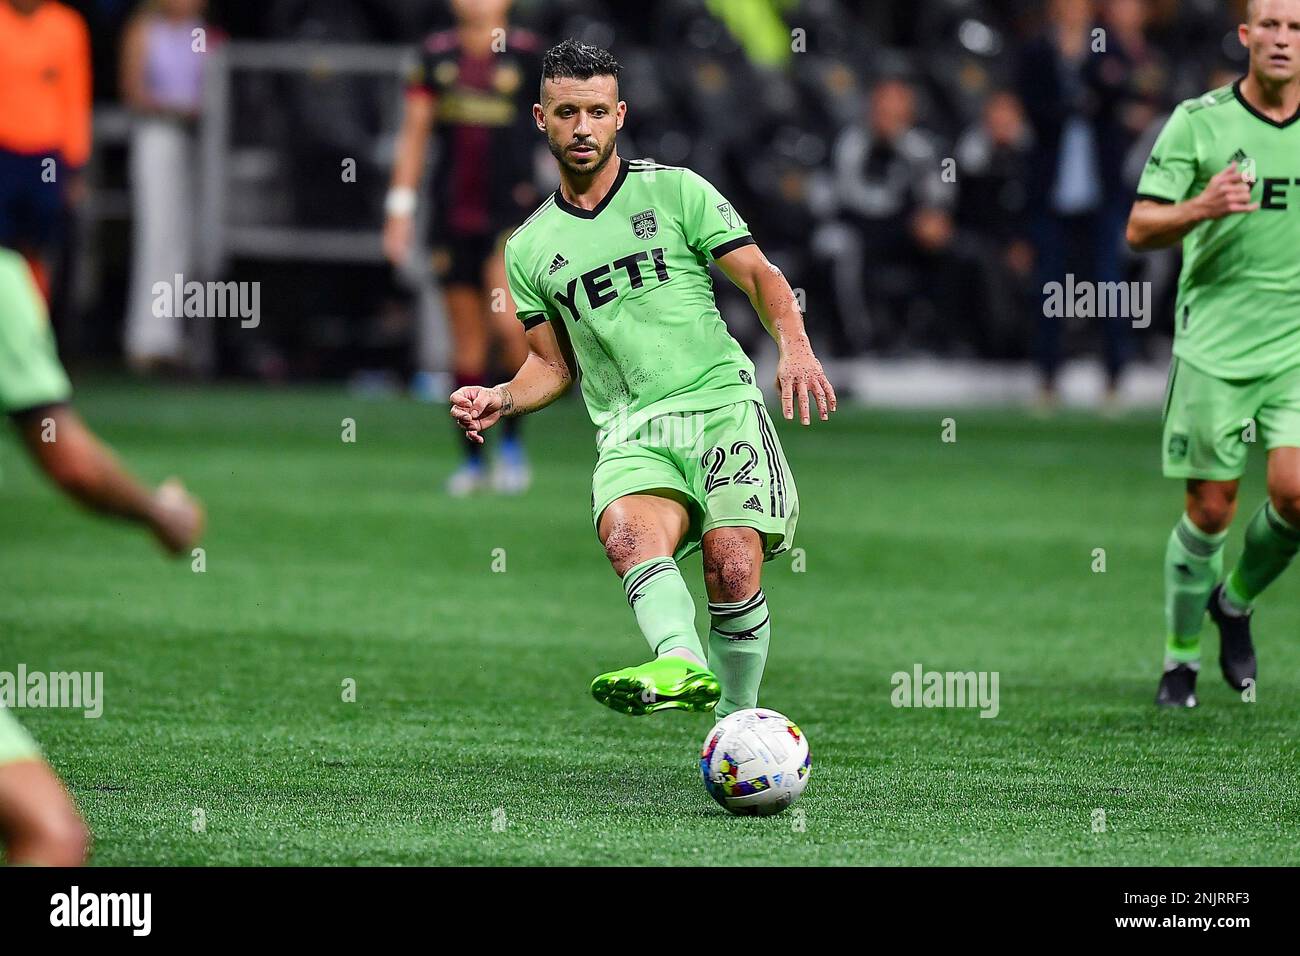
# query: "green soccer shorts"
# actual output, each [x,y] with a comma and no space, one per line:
[727,464]
[15,743]
[30,373]
[1211,423]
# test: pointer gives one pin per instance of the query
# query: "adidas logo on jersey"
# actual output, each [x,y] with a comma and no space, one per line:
[558,263]
[1245,166]
[753,504]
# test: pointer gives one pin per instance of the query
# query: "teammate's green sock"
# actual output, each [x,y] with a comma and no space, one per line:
[1271,543]
[663,607]
[739,635]
[1193,563]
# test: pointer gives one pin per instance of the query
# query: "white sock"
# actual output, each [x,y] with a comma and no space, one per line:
[1228,608]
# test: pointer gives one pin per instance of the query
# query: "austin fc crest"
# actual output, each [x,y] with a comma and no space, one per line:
[644,224]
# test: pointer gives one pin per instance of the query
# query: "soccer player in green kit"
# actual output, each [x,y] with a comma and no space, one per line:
[1224,179]
[39,823]
[611,276]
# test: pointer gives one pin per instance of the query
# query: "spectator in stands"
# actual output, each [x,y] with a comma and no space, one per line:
[896,195]
[162,71]
[44,125]
[993,208]
[1075,80]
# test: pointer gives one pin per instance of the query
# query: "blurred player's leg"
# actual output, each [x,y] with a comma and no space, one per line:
[39,824]
[1273,535]
[1193,566]
[1202,445]
[470,352]
[640,533]
[1272,539]
[510,474]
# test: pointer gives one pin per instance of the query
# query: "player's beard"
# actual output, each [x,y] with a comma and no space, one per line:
[561,154]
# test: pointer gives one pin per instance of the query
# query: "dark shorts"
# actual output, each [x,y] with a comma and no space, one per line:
[31,209]
[461,260]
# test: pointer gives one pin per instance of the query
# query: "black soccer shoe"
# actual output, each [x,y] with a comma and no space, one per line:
[1177,687]
[1236,652]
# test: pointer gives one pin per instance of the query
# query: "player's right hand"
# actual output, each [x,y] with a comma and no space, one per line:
[475,409]
[1226,193]
[397,238]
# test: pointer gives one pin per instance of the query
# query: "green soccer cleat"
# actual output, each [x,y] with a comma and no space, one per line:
[667,683]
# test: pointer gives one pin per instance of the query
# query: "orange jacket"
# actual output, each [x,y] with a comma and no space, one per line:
[45,82]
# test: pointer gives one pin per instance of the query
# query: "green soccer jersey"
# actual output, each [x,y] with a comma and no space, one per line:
[629,282]
[1238,306]
[30,373]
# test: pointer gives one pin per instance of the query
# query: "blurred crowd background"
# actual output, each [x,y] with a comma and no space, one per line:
[918,169]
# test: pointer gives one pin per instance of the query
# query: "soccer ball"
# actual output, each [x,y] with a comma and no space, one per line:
[755,762]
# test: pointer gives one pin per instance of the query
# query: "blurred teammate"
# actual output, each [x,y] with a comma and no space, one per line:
[44,123]
[469,89]
[1224,179]
[38,822]
[611,275]
[35,394]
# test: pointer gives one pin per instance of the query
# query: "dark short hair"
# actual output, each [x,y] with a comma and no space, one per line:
[581,61]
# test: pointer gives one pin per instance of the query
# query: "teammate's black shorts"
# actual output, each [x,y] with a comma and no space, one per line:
[460,260]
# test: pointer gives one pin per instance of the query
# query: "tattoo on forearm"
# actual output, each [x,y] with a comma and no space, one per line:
[507,401]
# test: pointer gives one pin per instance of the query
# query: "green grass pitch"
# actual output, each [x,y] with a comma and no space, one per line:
[473,739]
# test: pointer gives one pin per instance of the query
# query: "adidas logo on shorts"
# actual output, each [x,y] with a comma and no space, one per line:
[753,504]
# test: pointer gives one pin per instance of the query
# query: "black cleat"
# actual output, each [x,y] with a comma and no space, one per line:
[1236,652]
[1177,687]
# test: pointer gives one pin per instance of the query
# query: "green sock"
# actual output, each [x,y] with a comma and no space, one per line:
[1193,563]
[738,639]
[663,606]
[1271,543]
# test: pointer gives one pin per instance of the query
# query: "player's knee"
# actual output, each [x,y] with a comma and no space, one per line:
[730,568]
[1285,497]
[623,545]
[1212,506]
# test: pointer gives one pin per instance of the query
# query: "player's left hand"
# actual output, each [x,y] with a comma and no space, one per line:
[475,409]
[798,373]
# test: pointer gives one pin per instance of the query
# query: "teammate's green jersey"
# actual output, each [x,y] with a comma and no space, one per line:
[1238,307]
[30,373]
[629,282]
